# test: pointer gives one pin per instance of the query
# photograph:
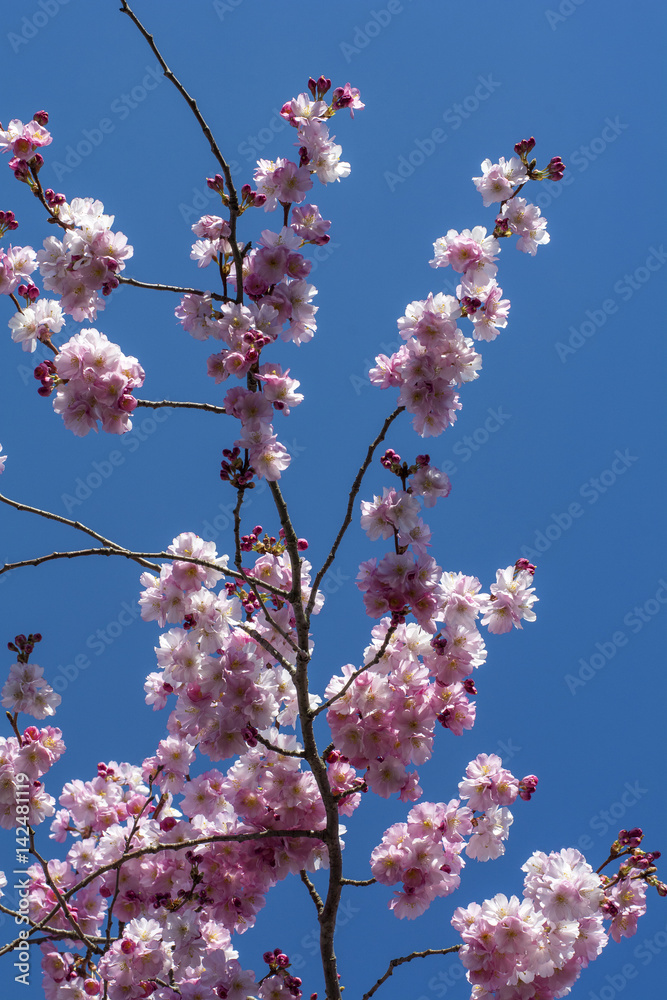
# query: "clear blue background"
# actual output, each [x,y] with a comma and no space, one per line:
[558,73]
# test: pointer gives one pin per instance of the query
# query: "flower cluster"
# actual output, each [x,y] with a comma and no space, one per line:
[536,948]
[499,180]
[94,381]
[226,683]
[16,266]
[526,222]
[383,715]
[267,456]
[36,322]
[23,761]
[27,691]
[512,598]
[424,852]
[516,950]
[22,142]
[437,358]
[144,949]
[405,580]
[317,149]
[87,260]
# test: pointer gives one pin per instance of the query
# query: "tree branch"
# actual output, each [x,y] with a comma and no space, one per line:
[192,104]
[356,486]
[395,962]
[314,894]
[210,407]
[167,288]
[63,520]
[74,553]
[348,683]
[280,750]
[56,892]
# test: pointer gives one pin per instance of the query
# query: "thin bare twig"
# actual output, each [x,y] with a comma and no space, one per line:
[56,892]
[269,647]
[314,894]
[63,520]
[356,486]
[192,104]
[75,553]
[376,659]
[154,405]
[107,544]
[166,288]
[249,580]
[395,962]
[280,750]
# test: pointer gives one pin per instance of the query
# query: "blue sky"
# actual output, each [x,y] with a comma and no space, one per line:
[557,453]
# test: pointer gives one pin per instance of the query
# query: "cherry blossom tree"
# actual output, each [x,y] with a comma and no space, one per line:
[165,863]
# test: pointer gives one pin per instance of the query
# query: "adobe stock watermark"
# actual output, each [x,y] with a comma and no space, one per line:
[591,490]
[222,7]
[470,444]
[440,984]
[120,108]
[580,159]
[253,145]
[566,8]
[454,116]
[223,519]
[607,822]
[98,642]
[85,485]
[364,34]
[32,24]
[634,621]
[310,942]
[201,197]
[624,288]
[361,382]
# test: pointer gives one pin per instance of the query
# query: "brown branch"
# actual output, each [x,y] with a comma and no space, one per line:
[121,550]
[356,881]
[348,683]
[269,647]
[56,892]
[249,580]
[73,554]
[314,894]
[63,520]
[280,750]
[192,104]
[167,288]
[395,962]
[52,932]
[356,486]
[154,405]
